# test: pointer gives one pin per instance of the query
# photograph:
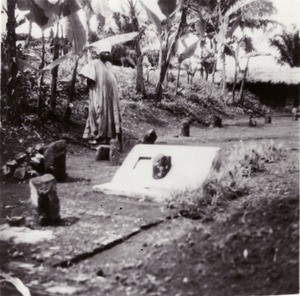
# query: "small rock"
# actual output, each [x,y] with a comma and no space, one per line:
[206,235]
[252,122]
[20,157]
[217,121]
[150,137]
[100,273]
[39,156]
[16,220]
[30,151]
[12,163]
[185,128]
[20,173]
[186,280]
[39,148]
[268,119]
[32,173]
[38,164]
[103,152]
[6,171]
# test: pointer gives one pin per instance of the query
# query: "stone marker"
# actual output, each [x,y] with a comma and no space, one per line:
[268,119]
[252,122]
[114,154]
[55,159]
[161,166]
[217,121]
[185,128]
[295,112]
[44,198]
[103,152]
[150,137]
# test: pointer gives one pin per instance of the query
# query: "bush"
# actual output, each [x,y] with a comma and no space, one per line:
[228,180]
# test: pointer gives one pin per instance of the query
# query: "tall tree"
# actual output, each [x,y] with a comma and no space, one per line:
[168,34]
[140,86]
[13,112]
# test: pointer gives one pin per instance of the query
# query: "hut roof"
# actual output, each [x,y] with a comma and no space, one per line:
[260,70]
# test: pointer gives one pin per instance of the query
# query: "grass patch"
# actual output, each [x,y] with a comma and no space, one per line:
[229,179]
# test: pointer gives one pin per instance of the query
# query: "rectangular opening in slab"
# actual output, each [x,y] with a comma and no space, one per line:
[190,166]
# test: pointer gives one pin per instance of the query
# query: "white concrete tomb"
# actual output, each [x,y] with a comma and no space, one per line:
[190,166]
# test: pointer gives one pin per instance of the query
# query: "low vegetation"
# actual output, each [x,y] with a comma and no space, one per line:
[230,178]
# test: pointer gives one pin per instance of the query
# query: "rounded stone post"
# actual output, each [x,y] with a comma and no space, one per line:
[44,198]
[185,128]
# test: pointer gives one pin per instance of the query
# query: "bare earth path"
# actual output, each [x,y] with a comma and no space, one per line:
[110,245]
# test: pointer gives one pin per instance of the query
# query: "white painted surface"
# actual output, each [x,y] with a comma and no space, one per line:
[190,167]
[24,234]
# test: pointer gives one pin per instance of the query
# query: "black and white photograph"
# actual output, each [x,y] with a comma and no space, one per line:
[149,147]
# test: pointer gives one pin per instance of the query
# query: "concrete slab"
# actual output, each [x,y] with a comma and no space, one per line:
[190,166]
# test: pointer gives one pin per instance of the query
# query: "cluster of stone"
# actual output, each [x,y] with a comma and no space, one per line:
[25,165]
[38,160]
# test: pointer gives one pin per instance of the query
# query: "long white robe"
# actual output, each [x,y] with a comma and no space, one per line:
[104,119]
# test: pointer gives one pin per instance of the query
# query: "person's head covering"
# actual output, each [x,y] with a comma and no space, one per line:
[102,46]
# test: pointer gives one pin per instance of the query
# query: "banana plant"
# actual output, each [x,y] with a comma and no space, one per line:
[187,53]
[168,37]
[223,20]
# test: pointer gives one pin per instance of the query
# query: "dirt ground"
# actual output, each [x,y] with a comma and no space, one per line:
[111,245]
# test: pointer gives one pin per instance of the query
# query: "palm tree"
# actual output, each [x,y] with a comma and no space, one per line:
[288,45]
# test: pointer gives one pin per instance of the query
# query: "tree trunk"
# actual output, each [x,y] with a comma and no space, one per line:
[13,102]
[215,61]
[72,92]
[54,73]
[41,79]
[140,86]
[166,56]
[223,71]
[28,39]
[234,81]
[241,94]
[178,79]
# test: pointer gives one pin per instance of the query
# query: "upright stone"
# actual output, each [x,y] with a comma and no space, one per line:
[150,137]
[185,128]
[103,152]
[114,154]
[217,121]
[44,198]
[55,159]
[268,119]
[252,122]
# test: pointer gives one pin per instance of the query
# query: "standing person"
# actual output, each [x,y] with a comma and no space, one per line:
[104,118]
